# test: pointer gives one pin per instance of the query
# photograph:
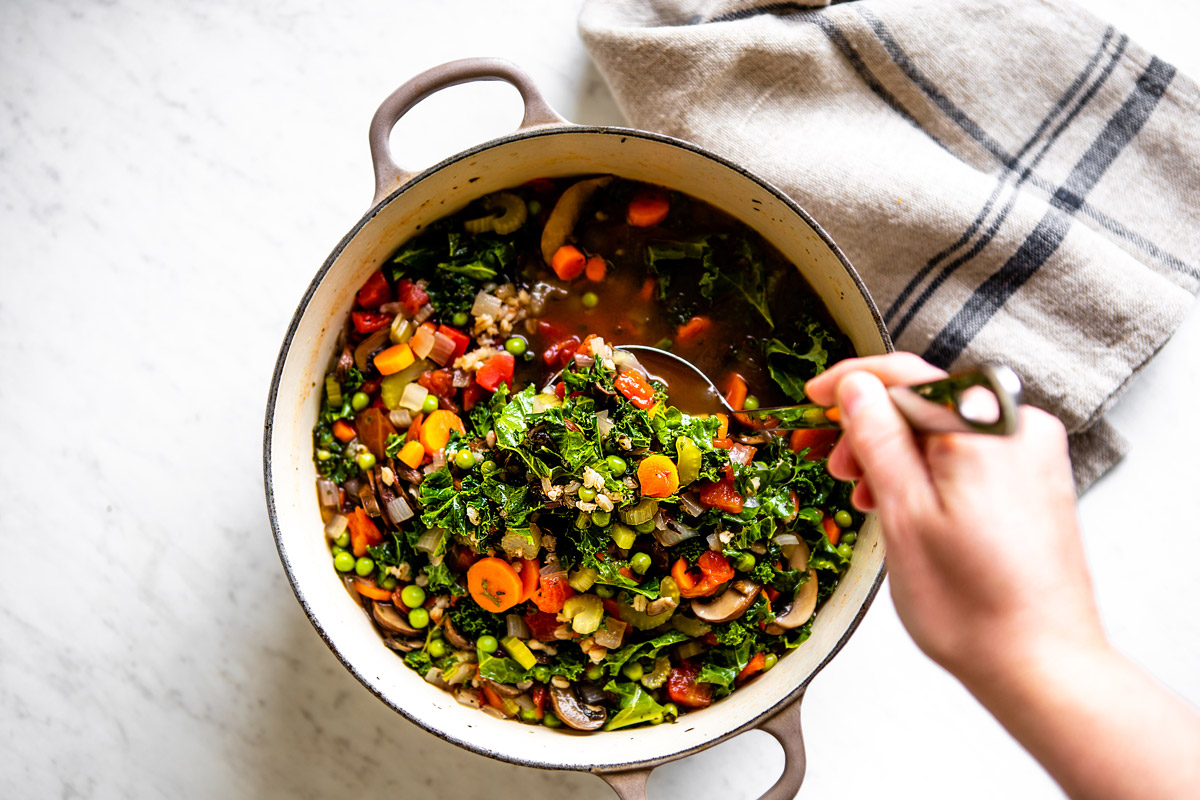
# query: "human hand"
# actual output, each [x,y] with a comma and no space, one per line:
[984,558]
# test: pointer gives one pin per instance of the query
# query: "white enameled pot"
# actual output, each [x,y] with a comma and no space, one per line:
[544,145]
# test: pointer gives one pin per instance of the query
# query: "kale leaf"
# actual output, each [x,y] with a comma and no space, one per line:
[790,369]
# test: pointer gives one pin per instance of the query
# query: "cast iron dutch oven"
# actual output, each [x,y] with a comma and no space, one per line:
[545,145]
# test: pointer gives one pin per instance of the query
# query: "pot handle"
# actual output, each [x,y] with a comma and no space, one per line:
[784,726]
[389,174]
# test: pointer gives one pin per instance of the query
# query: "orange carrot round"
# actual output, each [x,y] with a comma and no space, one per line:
[394,359]
[596,269]
[568,262]
[435,429]
[737,392]
[658,476]
[530,577]
[693,329]
[832,531]
[370,589]
[647,209]
[494,585]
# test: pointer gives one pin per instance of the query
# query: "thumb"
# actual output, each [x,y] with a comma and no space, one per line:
[884,446]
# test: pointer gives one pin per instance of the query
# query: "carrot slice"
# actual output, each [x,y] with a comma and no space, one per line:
[832,531]
[494,584]
[693,329]
[736,392]
[818,441]
[658,476]
[370,589]
[414,430]
[833,414]
[530,577]
[647,209]
[647,290]
[596,269]
[343,430]
[754,665]
[435,429]
[394,359]
[568,262]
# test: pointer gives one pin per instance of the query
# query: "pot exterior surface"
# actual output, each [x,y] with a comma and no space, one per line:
[296,396]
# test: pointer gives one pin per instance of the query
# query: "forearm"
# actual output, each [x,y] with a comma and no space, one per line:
[1099,725]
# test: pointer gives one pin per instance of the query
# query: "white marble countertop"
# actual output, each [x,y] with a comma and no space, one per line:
[172,175]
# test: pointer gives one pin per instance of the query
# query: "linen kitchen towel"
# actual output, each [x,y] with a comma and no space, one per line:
[1015,182]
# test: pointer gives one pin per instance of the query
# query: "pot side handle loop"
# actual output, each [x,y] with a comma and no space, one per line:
[784,726]
[389,174]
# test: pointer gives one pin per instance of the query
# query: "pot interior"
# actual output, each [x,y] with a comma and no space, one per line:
[295,399]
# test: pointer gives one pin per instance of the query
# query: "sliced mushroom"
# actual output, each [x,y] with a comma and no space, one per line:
[800,610]
[390,619]
[403,645]
[575,713]
[661,606]
[454,637]
[566,214]
[502,689]
[762,437]
[729,605]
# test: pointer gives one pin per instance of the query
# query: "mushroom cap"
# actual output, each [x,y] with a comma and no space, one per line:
[390,619]
[803,604]
[574,712]
[567,212]
[454,637]
[731,604]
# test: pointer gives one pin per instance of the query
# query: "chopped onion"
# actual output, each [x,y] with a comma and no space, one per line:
[398,509]
[461,379]
[787,539]
[674,533]
[443,348]
[413,397]
[610,633]
[327,493]
[335,526]
[714,542]
[401,417]
[690,505]
[423,313]
[352,485]
[517,544]
[468,697]
[431,540]
[487,305]
[394,307]
[434,676]
[525,702]
[583,362]
[517,627]
[439,461]
[421,342]
[603,424]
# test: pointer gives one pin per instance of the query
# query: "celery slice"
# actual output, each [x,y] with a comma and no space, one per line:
[689,460]
[519,651]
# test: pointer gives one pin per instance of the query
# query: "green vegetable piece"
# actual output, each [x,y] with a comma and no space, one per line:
[843,519]
[337,550]
[690,626]
[604,591]
[639,563]
[488,467]
[519,651]
[636,706]
[641,513]
[343,561]
[391,388]
[656,677]
[643,621]
[746,563]
[633,670]
[601,518]
[429,404]
[541,674]
[529,715]
[487,644]
[436,648]
[845,551]
[646,527]
[595,672]
[333,391]
[459,319]
[769,660]
[464,459]
[324,455]
[364,566]
[418,618]
[622,535]
[551,721]
[750,403]
[402,330]
[343,539]
[812,516]
[849,537]
[360,400]
[412,596]
[516,345]
[664,344]
[388,582]
[365,460]
[582,579]
[689,458]
[585,613]
[587,494]
[589,300]
[617,465]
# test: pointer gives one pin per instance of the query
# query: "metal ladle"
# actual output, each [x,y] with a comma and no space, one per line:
[977,400]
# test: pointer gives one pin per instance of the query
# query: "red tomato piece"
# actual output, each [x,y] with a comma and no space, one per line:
[460,339]
[369,322]
[497,370]
[683,688]
[472,395]
[363,532]
[819,442]
[741,454]
[552,592]
[721,494]
[558,354]
[542,624]
[712,570]
[411,295]
[375,292]
[636,388]
[538,695]
[439,382]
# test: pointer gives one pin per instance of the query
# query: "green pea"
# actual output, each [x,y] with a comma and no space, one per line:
[488,467]
[436,633]
[464,459]
[639,563]
[534,208]
[459,319]
[633,670]
[412,596]
[343,540]
[645,527]
[343,561]
[769,660]
[364,566]
[590,300]
[671,710]
[617,465]
[595,672]
[601,518]
[487,643]
[845,551]
[365,460]
[418,618]
[360,400]
[388,582]
[603,590]
[750,403]
[516,345]
[843,519]
[336,550]
[551,721]
[849,537]
[430,404]
[587,494]
[437,648]
[541,674]
[664,344]
[746,562]
[324,455]
[529,715]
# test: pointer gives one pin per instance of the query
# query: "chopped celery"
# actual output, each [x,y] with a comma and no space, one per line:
[644,511]
[643,621]
[657,676]
[402,330]
[582,579]
[519,651]
[689,460]
[623,535]
[585,612]
[333,391]
[690,626]
[392,387]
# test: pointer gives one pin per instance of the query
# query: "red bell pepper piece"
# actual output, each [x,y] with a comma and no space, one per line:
[363,533]
[552,592]
[375,292]
[755,664]
[636,388]
[472,395]
[711,571]
[369,322]
[538,695]
[496,370]
[721,494]
[460,339]
[683,688]
[558,354]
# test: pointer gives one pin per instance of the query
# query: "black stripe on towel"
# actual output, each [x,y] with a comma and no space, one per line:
[1050,232]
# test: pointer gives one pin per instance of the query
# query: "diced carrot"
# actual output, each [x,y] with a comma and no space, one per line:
[596,269]
[833,414]
[755,665]
[692,330]
[736,392]
[723,430]
[368,588]
[363,532]
[494,584]
[492,698]
[412,454]
[724,443]
[343,430]
[530,577]
[647,209]
[658,476]
[435,429]
[647,290]
[394,359]
[631,384]
[568,262]
[414,429]
[832,531]
[819,441]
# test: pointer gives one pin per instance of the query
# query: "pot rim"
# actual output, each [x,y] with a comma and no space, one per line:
[302,308]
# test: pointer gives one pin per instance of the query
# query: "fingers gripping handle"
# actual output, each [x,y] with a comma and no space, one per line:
[784,726]
[388,174]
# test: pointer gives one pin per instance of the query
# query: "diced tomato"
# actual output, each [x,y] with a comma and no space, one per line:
[370,387]
[549,331]
[538,695]
[639,391]
[375,292]
[721,494]
[552,592]
[497,370]
[363,533]
[683,688]
[722,444]
[369,322]
[460,339]
[819,442]
[560,391]
[755,664]
[493,699]
[472,395]
[772,594]
[741,454]
[711,571]
[439,382]
[411,295]
[558,354]
[542,624]
[611,607]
